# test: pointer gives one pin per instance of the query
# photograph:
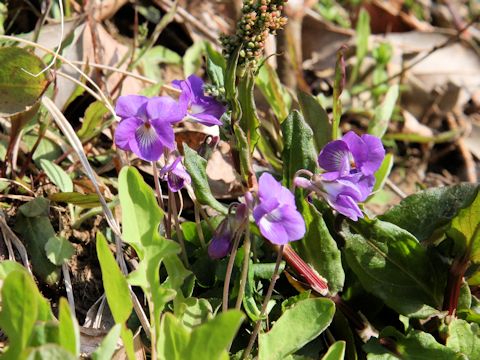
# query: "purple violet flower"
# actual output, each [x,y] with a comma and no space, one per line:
[350,155]
[146,125]
[276,213]
[350,165]
[175,173]
[200,108]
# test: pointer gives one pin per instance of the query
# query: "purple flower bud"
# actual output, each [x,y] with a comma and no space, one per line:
[146,125]
[222,240]
[276,213]
[200,108]
[176,174]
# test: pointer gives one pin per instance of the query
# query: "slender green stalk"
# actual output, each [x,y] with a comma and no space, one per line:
[177,227]
[158,190]
[253,337]
[198,224]
[228,272]
[246,262]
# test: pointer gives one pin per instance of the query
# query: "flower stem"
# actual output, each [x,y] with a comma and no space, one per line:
[275,276]
[315,281]
[178,229]
[228,272]
[246,261]
[158,190]
[198,224]
[454,283]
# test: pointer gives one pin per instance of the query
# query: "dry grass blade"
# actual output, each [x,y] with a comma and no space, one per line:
[75,142]
[10,235]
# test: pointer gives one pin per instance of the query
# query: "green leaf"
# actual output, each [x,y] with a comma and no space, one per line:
[68,330]
[362,33]
[174,338]
[392,265]
[114,283]
[241,146]
[8,266]
[464,338]
[379,124]
[86,201]
[58,250]
[249,121]
[299,150]
[230,78]
[36,207]
[275,93]
[57,175]
[381,175]
[215,66]
[319,249]
[308,317]
[92,121]
[196,167]
[107,347]
[194,312]
[416,345]
[141,215]
[427,211]
[336,351]
[192,60]
[212,339]
[19,90]
[465,231]
[141,218]
[35,229]
[48,352]
[317,118]
[19,309]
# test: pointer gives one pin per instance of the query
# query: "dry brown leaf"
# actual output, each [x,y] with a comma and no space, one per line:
[112,53]
[388,16]
[412,126]
[321,41]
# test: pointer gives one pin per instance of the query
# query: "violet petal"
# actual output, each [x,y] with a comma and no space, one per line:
[125,132]
[131,106]
[335,157]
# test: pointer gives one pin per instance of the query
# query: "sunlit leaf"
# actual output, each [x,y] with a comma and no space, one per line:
[425,212]
[298,151]
[114,282]
[20,90]
[391,264]
[68,330]
[196,167]
[58,250]
[309,318]
[57,175]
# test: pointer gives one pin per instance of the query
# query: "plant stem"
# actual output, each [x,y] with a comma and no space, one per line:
[454,283]
[246,261]
[158,190]
[313,279]
[228,272]
[253,337]
[198,224]
[178,229]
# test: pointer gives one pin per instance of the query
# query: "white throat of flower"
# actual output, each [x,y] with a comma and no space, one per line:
[146,135]
[196,109]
